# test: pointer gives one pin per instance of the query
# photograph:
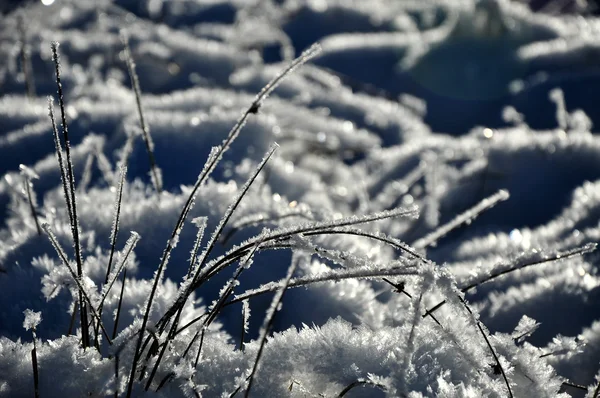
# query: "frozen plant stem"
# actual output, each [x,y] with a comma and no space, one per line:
[28,175]
[578,251]
[210,165]
[359,382]
[77,280]
[462,218]
[210,245]
[268,321]
[487,341]
[135,82]
[116,220]
[25,55]
[85,337]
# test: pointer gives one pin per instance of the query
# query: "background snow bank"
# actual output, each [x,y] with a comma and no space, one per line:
[438,105]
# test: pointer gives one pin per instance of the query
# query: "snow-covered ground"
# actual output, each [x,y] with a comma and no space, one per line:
[435,193]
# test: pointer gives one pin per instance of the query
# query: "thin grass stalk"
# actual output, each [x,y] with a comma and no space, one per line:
[342,226]
[462,218]
[129,246]
[199,348]
[268,322]
[160,355]
[61,162]
[234,229]
[118,314]
[82,292]
[25,55]
[360,382]
[71,178]
[86,176]
[366,273]
[116,220]
[210,245]
[224,220]
[578,251]
[25,172]
[245,321]
[135,82]
[213,160]
[489,344]
[201,224]
[237,253]
[113,236]
[193,340]
[34,364]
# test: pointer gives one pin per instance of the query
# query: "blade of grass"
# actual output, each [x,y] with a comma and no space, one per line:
[71,178]
[135,82]
[210,165]
[578,251]
[25,55]
[360,382]
[462,218]
[82,292]
[28,175]
[268,322]
[117,315]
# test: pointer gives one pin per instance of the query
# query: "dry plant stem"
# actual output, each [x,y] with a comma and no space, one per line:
[245,308]
[61,162]
[77,280]
[311,279]
[131,243]
[206,252]
[196,248]
[207,170]
[234,229]
[578,251]
[118,314]
[26,60]
[342,226]
[27,182]
[235,254]
[573,385]
[116,221]
[135,82]
[34,364]
[359,382]
[268,322]
[487,341]
[462,218]
[85,337]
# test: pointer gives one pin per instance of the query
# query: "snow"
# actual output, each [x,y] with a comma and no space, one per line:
[437,179]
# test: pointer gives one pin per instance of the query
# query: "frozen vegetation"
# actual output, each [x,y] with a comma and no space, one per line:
[217,207]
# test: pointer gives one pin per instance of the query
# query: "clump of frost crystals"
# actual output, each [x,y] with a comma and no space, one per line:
[32,319]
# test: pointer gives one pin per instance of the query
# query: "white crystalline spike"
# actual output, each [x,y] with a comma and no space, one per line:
[246,315]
